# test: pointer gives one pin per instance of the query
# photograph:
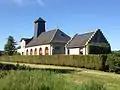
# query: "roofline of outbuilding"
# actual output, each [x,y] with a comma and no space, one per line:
[92,36]
[71,39]
[86,41]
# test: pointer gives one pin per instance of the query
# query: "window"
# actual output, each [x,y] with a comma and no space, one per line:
[40,51]
[35,51]
[46,51]
[31,52]
[27,52]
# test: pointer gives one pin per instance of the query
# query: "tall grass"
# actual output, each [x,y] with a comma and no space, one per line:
[41,80]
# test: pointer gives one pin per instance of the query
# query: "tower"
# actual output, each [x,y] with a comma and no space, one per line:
[39,27]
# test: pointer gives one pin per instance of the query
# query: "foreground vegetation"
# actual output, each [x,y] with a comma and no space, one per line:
[41,80]
[24,78]
[110,81]
[15,77]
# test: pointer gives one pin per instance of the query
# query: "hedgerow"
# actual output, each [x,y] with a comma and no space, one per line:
[82,61]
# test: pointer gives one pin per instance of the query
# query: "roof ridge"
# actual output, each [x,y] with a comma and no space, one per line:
[86,33]
[54,35]
[47,32]
[71,39]
[63,32]
[52,29]
[92,36]
[39,19]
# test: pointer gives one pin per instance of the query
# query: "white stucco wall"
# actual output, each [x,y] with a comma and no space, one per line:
[87,50]
[22,45]
[50,49]
[84,51]
[66,51]
[38,47]
[19,50]
[74,51]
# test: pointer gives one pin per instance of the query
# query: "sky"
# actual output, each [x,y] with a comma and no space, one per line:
[71,16]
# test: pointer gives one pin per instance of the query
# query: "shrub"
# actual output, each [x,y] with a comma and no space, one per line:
[13,67]
[113,63]
[103,61]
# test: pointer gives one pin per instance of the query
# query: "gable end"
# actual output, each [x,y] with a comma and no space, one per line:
[98,38]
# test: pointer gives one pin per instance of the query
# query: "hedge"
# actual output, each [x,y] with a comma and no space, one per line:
[96,62]
[113,63]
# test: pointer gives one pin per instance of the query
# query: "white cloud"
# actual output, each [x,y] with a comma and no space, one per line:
[27,2]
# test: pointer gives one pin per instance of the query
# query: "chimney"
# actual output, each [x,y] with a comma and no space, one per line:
[39,27]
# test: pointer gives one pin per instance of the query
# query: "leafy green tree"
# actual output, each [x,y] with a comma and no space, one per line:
[10,46]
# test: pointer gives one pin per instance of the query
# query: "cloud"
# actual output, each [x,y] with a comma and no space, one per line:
[27,2]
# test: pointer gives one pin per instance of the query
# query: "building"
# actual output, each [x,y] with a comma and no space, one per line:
[44,42]
[79,44]
[57,42]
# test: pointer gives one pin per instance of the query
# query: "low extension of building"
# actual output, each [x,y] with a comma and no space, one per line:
[80,43]
[57,42]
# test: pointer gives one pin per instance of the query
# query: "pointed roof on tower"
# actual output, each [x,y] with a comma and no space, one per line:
[39,20]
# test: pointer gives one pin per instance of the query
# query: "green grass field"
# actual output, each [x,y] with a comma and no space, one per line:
[41,80]
[110,81]
[58,79]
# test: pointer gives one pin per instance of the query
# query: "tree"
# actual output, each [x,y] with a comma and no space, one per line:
[10,47]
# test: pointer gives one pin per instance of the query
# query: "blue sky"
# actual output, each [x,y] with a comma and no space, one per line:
[71,16]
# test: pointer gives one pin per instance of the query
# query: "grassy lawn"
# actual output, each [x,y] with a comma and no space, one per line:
[58,79]
[109,80]
[41,80]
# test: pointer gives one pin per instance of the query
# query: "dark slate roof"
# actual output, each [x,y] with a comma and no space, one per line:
[39,20]
[79,40]
[27,40]
[60,37]
[52,36]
